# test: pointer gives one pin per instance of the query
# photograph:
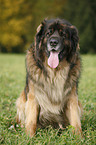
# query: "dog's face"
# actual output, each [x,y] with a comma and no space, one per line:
[56,39]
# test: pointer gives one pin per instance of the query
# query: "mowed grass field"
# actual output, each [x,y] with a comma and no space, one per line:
[12,81]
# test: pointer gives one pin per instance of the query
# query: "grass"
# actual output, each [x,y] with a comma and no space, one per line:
[12,81]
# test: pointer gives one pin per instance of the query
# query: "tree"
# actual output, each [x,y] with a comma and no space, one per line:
[82,15]
[12,25]
[19,20]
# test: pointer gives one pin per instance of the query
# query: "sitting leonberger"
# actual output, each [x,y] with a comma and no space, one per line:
[53,69]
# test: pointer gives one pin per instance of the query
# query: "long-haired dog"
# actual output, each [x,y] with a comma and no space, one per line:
[53,68]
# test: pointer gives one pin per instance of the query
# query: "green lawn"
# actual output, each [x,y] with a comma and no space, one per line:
[12,81]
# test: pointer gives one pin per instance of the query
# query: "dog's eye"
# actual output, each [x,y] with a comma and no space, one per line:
[62,33]
[49,32]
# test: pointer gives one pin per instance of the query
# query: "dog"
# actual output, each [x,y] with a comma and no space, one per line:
[53,67]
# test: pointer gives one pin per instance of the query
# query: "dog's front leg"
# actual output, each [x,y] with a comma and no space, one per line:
[31,113]
[73,113]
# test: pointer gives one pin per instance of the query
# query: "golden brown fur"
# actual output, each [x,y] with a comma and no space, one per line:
[50,96]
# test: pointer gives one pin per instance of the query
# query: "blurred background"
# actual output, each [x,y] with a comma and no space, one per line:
[20,18]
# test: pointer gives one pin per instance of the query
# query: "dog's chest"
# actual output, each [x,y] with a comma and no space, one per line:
[51,93]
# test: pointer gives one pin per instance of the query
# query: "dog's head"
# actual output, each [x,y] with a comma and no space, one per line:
[56,39]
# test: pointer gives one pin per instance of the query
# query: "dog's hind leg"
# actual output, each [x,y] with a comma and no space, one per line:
[20,104]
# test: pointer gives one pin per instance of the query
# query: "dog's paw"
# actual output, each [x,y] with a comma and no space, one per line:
[31,129]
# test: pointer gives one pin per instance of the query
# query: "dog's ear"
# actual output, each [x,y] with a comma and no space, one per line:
[39,28]
[39,37]
[38,50]
[74,38]
[74,43]
[38,41]
[40,33]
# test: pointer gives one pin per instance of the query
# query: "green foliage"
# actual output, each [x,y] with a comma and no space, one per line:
[82,15]
[13,25]
[12,81]
[19,20]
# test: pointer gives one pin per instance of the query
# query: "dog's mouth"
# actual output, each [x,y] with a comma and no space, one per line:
[54,48]
[53,60]
[55,57]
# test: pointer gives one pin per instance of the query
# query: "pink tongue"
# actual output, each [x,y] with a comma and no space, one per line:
[53,59]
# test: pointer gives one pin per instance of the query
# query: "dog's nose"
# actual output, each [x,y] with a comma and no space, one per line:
[54,42]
